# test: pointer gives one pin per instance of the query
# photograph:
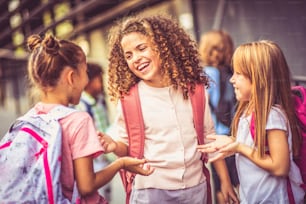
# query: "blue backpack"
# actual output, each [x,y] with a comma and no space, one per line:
[30,159]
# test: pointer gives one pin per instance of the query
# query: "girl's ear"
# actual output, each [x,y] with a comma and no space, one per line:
[70,75]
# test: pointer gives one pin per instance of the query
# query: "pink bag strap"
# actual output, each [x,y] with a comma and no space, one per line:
[198,108]
[43,151]
[133,118]
[133,115]
[198,103]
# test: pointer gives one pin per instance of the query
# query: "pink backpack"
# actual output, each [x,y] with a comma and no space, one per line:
[135,128]
[30,159]
[298,94]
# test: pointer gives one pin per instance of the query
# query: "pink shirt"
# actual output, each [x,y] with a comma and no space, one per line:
[79,139]
[170,139]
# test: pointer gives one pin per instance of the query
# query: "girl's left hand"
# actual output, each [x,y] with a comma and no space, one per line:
[229,194]
[223,145]
[107,142]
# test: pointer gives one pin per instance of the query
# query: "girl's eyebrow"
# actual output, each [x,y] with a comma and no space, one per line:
[137,46]
[144,43]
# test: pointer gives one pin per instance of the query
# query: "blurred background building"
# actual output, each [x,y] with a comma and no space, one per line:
[87,22]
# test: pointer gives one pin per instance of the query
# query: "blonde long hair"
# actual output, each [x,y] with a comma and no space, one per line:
[265,65]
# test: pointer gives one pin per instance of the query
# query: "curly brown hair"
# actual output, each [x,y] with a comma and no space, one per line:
[178,52]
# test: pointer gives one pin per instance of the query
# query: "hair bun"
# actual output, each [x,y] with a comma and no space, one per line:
[33,42]
[51,45]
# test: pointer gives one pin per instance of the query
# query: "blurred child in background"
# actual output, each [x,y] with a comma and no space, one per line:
[216,50]
[93,101]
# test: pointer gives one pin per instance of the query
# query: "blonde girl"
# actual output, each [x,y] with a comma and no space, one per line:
[263,88]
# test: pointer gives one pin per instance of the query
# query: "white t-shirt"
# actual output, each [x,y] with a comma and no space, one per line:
[256,184]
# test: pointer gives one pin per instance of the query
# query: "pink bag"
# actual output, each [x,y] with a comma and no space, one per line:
[299,94]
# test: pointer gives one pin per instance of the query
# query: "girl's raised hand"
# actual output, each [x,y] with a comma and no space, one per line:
[138,166]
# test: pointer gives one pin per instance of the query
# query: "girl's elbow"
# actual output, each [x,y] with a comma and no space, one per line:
[280,172]
[86,190]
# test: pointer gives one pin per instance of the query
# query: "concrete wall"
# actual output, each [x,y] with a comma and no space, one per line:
[282,21]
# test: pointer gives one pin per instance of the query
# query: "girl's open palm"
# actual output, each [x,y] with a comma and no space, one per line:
[138,166]
[223,145]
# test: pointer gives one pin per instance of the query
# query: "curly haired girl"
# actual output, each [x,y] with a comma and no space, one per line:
[159,57]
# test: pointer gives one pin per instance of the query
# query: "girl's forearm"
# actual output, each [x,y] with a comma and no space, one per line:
[266,163]
[121,149]
[105,175]
[222,170]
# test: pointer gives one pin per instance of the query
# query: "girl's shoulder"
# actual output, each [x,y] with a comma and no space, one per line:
[78,117]
[277,118]
[277,111]
[43,108]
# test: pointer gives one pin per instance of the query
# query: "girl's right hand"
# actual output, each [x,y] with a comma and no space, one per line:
[138,166]
[107,142]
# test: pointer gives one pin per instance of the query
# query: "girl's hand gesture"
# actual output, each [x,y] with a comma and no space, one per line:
[107,142]
[138,166]
[222,145]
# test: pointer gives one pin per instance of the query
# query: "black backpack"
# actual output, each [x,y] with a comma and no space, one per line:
[227,103]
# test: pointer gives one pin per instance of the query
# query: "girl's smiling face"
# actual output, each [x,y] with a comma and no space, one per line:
[142,58]
[242,86]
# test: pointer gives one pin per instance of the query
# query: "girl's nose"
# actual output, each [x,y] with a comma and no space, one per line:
[231,80]
[137,57]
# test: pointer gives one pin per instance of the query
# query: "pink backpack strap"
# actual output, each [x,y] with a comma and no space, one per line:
[133,115]
[198,103]
[252,126]
[198,108]
[133,118]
